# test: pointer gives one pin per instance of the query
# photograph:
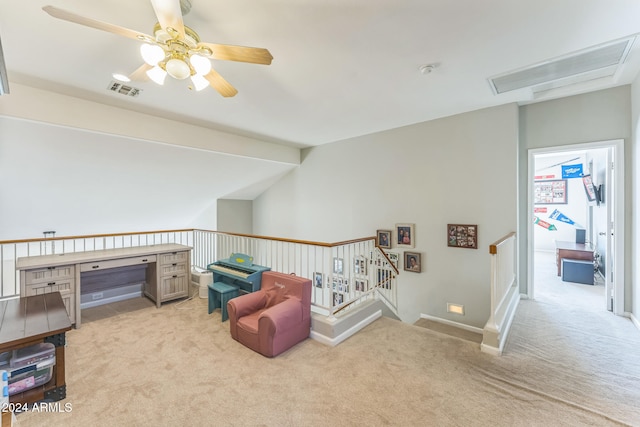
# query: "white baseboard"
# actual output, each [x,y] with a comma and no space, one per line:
[452,323]
[346,334]
[490,350]
[634,320]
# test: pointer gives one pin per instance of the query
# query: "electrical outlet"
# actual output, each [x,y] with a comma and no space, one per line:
[455,308]
[97,295]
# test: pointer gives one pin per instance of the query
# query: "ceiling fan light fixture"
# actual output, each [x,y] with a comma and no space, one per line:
[201,64]
[178,69]
[157,74]
[151,53]
[199,82]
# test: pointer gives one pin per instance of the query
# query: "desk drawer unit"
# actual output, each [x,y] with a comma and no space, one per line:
[113,263]
[66,287]
[174,275]
[173,257]
[49,274]
[53,279]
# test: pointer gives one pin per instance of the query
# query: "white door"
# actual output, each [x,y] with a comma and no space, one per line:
[609,201]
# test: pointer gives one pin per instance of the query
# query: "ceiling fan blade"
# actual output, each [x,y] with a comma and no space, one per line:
[220,84]
[254,55]
[140,75]
[169,15]
[82,20]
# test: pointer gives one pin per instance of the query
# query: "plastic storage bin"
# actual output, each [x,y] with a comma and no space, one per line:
[29,367]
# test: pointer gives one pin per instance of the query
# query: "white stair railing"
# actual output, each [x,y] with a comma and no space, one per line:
[504,294]
[343,274]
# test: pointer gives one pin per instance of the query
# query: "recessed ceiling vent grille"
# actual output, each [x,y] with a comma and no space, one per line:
[123,89]
[600,61]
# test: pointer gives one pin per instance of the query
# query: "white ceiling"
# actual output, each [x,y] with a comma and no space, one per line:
[341,68]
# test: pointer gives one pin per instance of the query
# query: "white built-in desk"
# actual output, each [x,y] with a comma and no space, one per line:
[162,269]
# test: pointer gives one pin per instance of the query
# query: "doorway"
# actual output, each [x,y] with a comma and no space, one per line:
[572,188]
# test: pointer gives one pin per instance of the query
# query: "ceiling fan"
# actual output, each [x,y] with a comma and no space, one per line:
[175,49]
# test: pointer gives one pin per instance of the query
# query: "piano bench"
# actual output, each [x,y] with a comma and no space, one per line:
[219,294]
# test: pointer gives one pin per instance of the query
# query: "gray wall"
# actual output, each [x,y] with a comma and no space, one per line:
[597,116]
[634,202]
[235,216]
[459,169]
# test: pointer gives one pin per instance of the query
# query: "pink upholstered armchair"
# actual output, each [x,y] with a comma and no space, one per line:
[276,317]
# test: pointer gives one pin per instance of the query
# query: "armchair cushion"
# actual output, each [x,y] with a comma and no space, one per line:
[275,295]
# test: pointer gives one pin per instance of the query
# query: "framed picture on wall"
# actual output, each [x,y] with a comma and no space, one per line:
[360,265]
[413,262]
[393,257]
[462,236]
[318,279]
[550,192]
[405,235]
[338,267]
[383,238]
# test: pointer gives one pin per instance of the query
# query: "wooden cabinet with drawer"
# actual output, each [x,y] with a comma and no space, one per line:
[174,275]
[52,279]
[171,277]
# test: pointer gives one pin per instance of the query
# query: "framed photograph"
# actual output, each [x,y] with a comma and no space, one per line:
[360,265]
[338,298]
[318,279]
[550,192]
[394,258]
[413,262]
[383,238]
[338,267]
[462,236]
[361,285]
[405,235]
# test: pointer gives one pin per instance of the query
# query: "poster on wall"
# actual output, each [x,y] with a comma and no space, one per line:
[552,192]
[589,188]
[572,171]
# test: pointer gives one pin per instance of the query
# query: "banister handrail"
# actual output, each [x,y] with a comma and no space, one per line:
[91,236]
[493,248]
[283,239]
[384,254]
[137,233]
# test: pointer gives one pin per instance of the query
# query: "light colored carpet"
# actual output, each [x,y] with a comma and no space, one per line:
[178,366]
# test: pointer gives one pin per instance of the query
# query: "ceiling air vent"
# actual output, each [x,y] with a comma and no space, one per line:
[123,89]
[589,64]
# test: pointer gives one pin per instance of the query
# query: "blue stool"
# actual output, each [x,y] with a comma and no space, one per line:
[219,294]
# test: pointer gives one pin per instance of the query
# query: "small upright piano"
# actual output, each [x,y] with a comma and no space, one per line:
[238,270]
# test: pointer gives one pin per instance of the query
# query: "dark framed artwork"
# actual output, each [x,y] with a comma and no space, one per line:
[413,262]
[405,235]
[550,192]
[383,238]
[462,236]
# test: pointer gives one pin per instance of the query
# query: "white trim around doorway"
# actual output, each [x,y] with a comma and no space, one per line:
[618,220]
